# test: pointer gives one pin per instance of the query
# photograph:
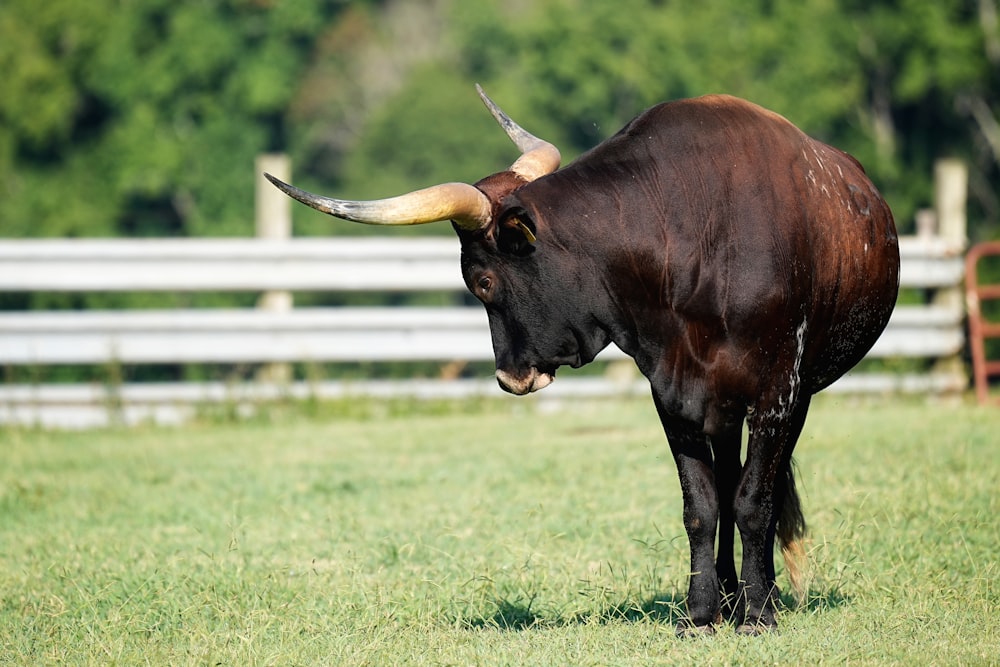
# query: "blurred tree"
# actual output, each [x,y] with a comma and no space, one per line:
[898,83]
[141,117]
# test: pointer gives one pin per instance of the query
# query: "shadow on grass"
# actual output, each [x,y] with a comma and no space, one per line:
[668,609]
[816,601]
[513,616]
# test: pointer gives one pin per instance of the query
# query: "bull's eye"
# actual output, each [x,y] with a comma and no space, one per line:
[485,284]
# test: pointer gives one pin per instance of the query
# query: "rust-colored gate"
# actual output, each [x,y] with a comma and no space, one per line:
[980,328]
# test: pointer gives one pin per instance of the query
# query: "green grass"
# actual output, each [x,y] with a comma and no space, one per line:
[500,533]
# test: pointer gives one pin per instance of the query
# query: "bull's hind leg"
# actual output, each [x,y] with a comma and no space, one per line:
[693,455]
[758,505]
[726,449]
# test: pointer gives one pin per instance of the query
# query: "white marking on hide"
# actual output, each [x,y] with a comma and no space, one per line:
[785,405]
[819,160]
[800,350]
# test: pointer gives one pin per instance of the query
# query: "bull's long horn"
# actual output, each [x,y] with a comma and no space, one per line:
[465,204]
[538,157]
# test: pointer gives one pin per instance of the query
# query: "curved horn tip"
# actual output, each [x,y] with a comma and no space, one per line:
[299,194]
[538,157]
[483,96]
[513,130]
[277,182]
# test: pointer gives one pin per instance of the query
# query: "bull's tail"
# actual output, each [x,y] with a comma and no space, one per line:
[791,533]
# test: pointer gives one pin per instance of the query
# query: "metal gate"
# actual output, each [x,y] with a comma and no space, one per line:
[981,328]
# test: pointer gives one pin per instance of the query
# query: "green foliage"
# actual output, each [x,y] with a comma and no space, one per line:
[135,118]
[893,83]
[492,533]
[143,118]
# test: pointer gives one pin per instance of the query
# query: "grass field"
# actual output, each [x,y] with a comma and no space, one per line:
[497,533]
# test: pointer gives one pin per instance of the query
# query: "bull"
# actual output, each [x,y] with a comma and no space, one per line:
[743,265]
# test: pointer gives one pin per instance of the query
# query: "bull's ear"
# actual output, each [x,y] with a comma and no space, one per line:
[516,235]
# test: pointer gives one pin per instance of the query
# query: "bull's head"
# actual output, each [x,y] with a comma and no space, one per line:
[498,237]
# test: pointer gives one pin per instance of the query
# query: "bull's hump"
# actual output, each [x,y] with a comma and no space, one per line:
[724,109]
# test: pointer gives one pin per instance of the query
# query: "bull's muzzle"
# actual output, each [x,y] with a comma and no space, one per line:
[533,381]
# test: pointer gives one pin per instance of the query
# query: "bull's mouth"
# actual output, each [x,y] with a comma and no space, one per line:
[525,384]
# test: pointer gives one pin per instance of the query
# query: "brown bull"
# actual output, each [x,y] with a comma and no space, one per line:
[742,264]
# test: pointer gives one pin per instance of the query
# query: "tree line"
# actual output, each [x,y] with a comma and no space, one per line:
[143,117]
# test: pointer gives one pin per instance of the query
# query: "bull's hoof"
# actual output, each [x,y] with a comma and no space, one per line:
[755,629]
[688,629]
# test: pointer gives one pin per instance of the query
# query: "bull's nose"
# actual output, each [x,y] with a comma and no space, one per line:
[512,384]
[533,381]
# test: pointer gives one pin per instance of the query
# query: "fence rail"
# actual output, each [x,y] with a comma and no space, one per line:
[981,328]
[347,264]
[166,265]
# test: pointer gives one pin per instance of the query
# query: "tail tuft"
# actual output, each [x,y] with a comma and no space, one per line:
[791,533]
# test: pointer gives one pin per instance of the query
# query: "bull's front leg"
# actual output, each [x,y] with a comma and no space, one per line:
[692,453]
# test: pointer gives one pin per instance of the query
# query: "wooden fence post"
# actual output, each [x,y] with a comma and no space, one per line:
[951,178]
[951,185]
[273,216]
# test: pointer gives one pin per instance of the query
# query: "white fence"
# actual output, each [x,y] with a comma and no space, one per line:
[445,334]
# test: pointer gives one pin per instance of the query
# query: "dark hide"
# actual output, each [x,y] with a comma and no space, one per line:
[742,264]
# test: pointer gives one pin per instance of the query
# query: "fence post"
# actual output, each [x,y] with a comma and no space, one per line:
[951,178]
[951,185]
[273,216]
